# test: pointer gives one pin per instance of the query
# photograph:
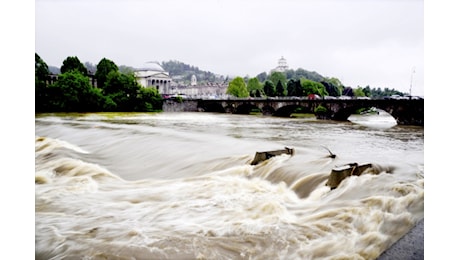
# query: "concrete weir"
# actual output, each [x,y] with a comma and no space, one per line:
[262,156]
[338,174]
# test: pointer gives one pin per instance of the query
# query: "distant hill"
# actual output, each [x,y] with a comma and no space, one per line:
[54,70]
[182,72]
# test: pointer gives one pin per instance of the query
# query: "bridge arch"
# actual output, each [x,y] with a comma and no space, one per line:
[268,110]
[211,107]
[405,112]
[344,113]
[288,110]
[246,108]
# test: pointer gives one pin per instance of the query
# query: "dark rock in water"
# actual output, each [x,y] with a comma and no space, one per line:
[262,156]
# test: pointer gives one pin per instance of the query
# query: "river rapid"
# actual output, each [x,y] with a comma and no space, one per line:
[181,186]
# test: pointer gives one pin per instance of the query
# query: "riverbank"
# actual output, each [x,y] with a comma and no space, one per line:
[409,247]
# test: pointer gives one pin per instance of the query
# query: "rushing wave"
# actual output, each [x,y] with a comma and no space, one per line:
[217,207]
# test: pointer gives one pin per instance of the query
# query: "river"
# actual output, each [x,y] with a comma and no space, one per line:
[181,186]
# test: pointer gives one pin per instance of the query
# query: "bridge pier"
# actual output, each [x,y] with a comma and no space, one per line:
[180,106]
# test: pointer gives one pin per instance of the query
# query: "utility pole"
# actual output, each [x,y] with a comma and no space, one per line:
[411,77]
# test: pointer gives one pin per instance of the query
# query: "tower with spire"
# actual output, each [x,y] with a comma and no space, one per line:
[282,65]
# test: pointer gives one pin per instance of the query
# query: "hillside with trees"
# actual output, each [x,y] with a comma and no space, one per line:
[182,72]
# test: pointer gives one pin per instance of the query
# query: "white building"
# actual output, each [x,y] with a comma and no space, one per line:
[282,65]
[152,75]
[208,90]
[193,81]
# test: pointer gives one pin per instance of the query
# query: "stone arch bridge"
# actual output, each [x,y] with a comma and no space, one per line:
[406,112]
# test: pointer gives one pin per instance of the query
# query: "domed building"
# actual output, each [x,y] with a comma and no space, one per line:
[282,65]
[152,75]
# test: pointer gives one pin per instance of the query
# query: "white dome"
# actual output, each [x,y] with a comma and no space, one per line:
[152,66]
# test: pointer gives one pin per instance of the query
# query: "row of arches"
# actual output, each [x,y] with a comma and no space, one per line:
[405,112]
[284,111]
[162,85]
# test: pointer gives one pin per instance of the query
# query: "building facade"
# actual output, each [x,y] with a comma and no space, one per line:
[152,75]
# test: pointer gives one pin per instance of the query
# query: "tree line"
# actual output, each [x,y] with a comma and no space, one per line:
[74,91]
[300,83]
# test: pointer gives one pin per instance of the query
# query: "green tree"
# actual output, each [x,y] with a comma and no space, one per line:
[254,87]
[312,87]
[348,91]
[359,92]
[379,93]
[331,89]
[41,77]
[72,92]
[73,63]
[259,93]
[123,90]
[41,70]
[367,91]
[280,89]
[294,88]
[149,100]
[103,68]
[279,80]
[269,88]
[333,86]
[277,76]
[238,88]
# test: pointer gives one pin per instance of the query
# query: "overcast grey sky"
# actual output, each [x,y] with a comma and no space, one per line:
[360,42]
